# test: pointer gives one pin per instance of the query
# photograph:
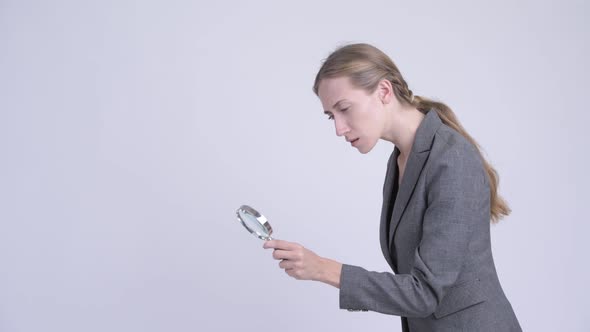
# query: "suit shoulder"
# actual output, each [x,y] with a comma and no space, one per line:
[450,148]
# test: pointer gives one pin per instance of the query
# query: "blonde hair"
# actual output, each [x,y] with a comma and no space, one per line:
[366,66]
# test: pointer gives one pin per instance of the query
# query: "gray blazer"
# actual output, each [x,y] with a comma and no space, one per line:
[436,240]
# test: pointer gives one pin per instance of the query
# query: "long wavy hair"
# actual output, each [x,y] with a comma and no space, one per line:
[366,66]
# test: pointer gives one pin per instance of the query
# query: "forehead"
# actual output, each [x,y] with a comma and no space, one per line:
[332,90]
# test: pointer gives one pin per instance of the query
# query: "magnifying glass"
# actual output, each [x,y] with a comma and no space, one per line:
[254,222]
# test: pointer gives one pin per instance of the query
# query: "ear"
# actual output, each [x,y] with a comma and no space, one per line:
[385,91]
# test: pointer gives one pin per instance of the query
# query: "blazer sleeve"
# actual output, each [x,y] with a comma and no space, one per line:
[457,199]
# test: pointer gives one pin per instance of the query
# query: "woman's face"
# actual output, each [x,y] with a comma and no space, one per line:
[357,115]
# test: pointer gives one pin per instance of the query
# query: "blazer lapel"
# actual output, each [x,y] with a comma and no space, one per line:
[416,161]
[387,188]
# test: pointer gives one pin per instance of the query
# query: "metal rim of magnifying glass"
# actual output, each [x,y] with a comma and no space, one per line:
[261,219]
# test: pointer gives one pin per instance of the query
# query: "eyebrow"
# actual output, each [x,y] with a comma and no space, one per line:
[336,104]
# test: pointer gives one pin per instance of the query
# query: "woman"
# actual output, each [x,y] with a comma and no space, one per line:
[439,197]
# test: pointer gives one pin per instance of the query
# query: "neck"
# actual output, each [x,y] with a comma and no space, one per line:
[400,128]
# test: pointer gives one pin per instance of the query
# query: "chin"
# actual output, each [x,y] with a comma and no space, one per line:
[366,149]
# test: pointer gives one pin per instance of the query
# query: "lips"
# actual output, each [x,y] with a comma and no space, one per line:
[354,141]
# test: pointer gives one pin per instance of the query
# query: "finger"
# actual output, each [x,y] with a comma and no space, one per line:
[284,254]
[294,273]
[290,272]
[280,244]
[285,264]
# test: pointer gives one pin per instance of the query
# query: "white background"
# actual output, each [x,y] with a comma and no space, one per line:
[131,131]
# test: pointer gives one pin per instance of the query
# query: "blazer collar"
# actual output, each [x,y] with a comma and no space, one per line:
[425,132]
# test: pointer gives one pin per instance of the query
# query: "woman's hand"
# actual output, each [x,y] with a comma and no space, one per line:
[303,264]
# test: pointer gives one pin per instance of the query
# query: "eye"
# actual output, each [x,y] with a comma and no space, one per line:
[344,109]
[331,117]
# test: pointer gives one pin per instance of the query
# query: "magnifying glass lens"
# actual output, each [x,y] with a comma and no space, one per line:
[254,222]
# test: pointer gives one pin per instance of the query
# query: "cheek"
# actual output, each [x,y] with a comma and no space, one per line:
[362,122]
[371,121]
[377,117]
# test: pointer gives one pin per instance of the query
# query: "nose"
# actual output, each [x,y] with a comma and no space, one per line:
[341,126]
